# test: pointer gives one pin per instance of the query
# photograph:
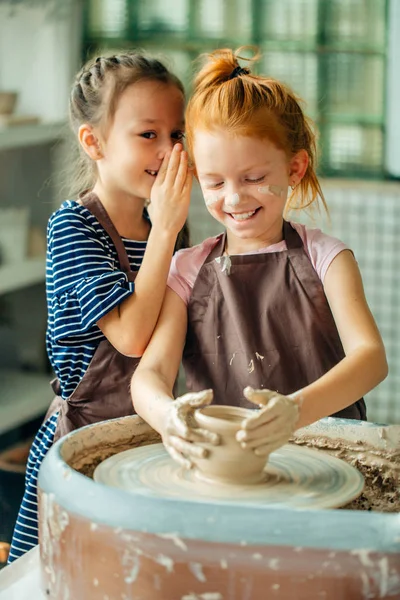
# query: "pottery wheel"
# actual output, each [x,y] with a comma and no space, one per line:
[296,477]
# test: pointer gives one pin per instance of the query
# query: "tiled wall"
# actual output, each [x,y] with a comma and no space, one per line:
[366,216]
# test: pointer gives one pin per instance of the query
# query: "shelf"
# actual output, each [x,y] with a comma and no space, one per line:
[23,397]
[20,136]
[20,275]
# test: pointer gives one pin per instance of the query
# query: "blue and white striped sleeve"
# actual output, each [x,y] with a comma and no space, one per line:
[84,282]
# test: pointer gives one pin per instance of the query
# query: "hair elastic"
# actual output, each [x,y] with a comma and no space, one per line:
[238,71]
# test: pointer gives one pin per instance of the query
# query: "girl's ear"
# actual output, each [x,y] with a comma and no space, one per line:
[89,142]
[298,167]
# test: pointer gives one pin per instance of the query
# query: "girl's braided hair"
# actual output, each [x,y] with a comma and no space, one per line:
[94,97]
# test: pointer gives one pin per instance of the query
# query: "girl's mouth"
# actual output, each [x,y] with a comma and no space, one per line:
[152,173]
[244,216]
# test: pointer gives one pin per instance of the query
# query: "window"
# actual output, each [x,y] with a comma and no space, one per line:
[333,53]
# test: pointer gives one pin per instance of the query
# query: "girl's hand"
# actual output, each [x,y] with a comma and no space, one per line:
[272,426]
[181,431]
[170,194]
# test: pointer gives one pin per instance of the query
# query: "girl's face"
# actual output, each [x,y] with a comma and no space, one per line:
[148,121]
[245,184]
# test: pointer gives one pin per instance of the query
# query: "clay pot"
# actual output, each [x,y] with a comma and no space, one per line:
[228,462]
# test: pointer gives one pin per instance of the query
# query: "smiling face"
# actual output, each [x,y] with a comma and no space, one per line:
[245,183]
[148,121]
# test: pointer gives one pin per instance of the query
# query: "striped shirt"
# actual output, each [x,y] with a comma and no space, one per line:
[83,283]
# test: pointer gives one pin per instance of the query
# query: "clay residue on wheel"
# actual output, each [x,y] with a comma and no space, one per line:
[87,463]
[380,468]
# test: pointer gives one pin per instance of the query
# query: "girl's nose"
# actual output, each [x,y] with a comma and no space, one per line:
[232,199]
[164,147]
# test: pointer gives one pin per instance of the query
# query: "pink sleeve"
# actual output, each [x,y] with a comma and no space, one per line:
[185,267]
[321,248]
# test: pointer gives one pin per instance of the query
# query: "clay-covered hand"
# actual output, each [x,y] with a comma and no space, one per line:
[181,431]
[272,426]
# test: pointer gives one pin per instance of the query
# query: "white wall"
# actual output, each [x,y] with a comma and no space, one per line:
[392,148]
[39,55]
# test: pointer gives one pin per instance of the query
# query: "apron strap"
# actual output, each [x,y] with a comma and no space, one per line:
[290,235]
[92,202]
[218,249]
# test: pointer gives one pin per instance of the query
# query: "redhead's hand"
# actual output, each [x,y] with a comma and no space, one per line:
[272,426]
[170,194]
[181,432]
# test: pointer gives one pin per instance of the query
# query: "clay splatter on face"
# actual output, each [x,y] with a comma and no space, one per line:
[211,198]
[232,199]
[275,190]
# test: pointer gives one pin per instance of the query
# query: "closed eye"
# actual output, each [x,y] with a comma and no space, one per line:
[214,186]
[259,180]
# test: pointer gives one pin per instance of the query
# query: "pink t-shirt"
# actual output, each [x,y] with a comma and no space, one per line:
[186,264]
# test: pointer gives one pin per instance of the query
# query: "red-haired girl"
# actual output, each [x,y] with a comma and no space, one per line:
[270,313]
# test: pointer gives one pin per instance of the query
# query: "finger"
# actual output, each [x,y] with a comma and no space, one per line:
[178,426]
[266,415]
[163,169]
[264,427]
[269,448]
[204,436]
[279,407]
[263,431]
[204,398]
[184,462]
[259,397]
[187,186]
[187,448]
[182,171]
[196,399]
[281,434]
[173,165]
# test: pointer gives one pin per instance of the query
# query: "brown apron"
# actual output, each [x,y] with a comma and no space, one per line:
[261,320]
[103,392]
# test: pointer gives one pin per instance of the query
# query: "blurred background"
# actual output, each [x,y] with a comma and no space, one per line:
[341,56]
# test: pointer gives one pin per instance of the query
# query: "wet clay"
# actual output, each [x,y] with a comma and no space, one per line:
[228,461]
[86,462]
[294,478]
[380,468]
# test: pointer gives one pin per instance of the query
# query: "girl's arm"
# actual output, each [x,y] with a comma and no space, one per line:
[152,384]
[364,365]
[154,378]
[129,326]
